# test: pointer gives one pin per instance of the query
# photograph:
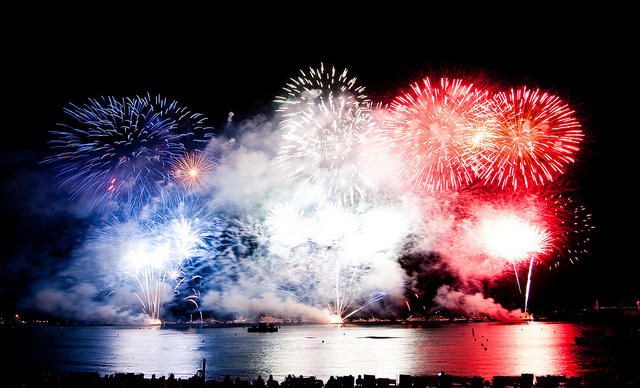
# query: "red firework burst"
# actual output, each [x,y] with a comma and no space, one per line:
[534,137]
[431,132]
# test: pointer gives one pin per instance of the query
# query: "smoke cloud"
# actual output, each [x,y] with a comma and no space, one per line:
[476,304]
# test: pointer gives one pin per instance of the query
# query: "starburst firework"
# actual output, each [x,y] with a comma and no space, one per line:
[431,132]
[191,170]
[535,137]
[326,119]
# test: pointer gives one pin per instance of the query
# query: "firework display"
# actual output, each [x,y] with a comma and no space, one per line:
[160,251]
[322,222]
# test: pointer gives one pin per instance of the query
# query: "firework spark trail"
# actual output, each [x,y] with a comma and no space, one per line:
[526,298]
[567,221]
[192,127]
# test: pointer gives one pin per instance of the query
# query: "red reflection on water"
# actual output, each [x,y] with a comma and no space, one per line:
[503,349]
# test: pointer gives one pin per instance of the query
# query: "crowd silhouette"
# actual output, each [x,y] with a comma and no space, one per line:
[441,380]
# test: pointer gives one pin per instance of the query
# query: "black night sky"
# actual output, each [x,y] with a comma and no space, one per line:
[217,60]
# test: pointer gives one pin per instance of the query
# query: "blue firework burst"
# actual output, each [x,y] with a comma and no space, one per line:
[118,151]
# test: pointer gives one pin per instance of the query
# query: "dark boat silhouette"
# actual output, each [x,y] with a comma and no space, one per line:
[263,327]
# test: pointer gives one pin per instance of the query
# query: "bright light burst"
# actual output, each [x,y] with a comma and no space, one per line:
[322,269]
[191,170]
[326,119]
[498,229]
[287,224]
[536,135]
[507,236]
[432,132]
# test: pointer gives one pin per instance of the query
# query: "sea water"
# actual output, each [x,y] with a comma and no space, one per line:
[465,349]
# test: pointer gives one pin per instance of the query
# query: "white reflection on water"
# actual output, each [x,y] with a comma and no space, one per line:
[337,351]
[154,351]
[315,350]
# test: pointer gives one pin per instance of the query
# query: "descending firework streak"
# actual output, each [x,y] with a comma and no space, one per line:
[326,119]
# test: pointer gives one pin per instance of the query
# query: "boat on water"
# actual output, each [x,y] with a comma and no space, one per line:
[263,327]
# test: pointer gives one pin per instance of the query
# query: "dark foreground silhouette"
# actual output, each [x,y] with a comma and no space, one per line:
[442,380]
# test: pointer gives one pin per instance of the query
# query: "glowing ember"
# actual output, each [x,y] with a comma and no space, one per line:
[191,169]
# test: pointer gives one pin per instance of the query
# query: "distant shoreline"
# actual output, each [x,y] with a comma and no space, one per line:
[586,319]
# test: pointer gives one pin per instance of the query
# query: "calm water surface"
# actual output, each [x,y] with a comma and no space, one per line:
[464,349]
